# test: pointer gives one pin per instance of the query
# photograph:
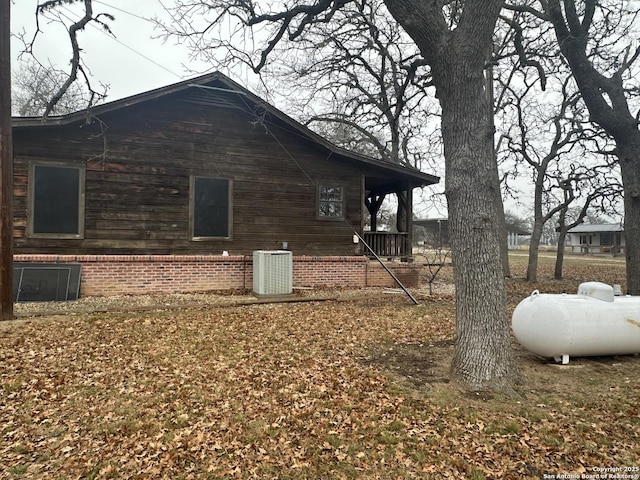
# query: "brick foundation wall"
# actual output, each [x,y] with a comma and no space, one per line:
[104,275]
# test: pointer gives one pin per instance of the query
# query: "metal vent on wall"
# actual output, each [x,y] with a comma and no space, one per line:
[45,282]
[272,272]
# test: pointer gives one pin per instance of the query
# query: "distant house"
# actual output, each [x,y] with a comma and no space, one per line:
[198,168]
[434,232]
[514,236]
[597,239]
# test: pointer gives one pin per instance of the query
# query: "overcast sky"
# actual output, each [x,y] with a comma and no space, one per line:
[130,63]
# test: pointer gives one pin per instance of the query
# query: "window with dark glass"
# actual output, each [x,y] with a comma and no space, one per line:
[56,201]
[331,202]
[585,239]
[210,207]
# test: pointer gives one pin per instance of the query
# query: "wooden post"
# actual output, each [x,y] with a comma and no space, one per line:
[6,166]
[410,223]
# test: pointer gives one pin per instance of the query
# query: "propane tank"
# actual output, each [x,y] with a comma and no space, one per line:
[592,323]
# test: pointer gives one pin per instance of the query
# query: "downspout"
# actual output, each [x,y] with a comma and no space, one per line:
[244,273]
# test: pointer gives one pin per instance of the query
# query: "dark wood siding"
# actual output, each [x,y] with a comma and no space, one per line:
[138,165]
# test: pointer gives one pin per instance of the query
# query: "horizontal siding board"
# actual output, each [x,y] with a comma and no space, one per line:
[138,174]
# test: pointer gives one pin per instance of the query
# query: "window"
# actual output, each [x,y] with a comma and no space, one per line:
[210,208]
[586,239]
[606,238]
[331,202]
[56,201]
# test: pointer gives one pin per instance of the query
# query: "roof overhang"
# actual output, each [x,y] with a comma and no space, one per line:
[385,177]
[596,228]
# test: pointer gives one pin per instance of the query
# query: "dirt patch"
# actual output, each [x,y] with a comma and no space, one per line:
[419,364]
[423,365]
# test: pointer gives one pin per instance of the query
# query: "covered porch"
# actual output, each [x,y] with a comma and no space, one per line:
[389,245]
[397,242]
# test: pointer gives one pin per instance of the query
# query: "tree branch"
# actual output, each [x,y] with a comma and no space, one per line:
[524,61]
[76,65]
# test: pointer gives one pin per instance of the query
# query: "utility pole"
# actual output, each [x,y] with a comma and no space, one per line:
[6,166]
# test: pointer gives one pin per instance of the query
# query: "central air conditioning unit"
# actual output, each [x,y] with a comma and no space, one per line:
[272,272]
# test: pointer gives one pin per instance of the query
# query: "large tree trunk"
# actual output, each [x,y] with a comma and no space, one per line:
[557,273]
[502,225]
[483,358]
[629,158]
[538,224]
[534,246]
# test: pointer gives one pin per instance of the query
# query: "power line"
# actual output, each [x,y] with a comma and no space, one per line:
[124,11]
[162,5]
[120,42]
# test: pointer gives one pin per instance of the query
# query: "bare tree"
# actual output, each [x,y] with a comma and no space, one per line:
[596,37]
[34,85]
[545,138]
[76,67]
[596,189]
[455,40]
[435,258]
[516,222]
[369,86]
[366,75]
[525,67]
[374,83]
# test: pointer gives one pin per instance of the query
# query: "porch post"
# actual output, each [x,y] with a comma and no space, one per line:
[373,203]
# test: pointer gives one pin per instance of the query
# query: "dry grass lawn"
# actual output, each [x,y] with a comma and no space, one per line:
[349,389]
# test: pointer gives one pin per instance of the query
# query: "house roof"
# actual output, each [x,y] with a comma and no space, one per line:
[594,228]
[216,81]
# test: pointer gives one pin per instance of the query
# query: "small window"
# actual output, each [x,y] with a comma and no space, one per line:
[586,239]
[210,208]
[56,201]
[330,202]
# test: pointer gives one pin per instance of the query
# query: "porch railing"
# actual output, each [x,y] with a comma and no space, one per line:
[599,249]
[387,244]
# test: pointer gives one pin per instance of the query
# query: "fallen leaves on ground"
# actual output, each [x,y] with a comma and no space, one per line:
[307,390]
